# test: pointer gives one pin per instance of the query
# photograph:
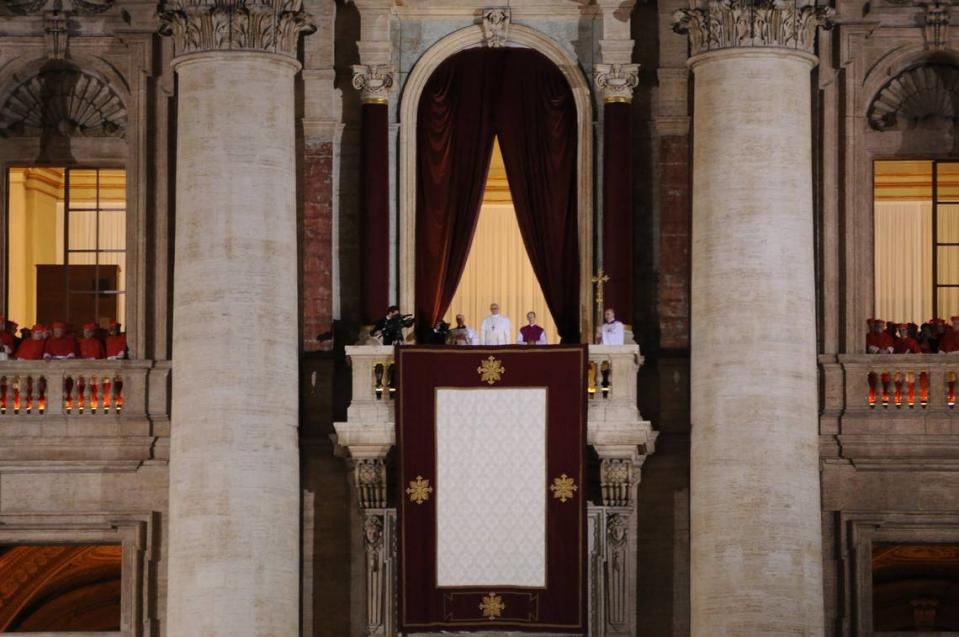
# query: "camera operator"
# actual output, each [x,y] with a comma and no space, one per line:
[390,327]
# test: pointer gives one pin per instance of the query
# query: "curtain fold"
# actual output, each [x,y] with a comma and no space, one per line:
[454,141]
[536,123]
[903,260]
[521,96]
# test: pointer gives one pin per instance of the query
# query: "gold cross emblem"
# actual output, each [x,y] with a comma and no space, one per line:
[563,488]
[491,370]
[419,490]
[492,606]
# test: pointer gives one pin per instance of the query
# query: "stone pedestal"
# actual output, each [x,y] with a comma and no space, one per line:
[234,468]
[755,513]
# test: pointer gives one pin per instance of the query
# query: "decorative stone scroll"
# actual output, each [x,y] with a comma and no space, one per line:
[496,26]
[727,24]
[922,95]
[616,81]
[248,25]
[66,101]
[374,82]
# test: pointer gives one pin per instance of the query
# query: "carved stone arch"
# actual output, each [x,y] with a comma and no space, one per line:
[916,89]
[60,97]
[519,35]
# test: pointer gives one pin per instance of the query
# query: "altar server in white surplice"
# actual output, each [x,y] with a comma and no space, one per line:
[611,332]
[496,328]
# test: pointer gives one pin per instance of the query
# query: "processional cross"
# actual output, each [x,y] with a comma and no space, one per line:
[600,282]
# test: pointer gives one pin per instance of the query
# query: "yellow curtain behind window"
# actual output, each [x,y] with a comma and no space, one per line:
[498,270]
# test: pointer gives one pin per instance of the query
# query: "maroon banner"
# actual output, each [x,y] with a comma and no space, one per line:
[560,606]
[374,212]
[618,208]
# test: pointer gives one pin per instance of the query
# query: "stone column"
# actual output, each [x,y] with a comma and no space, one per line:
[234,467]
[755,511]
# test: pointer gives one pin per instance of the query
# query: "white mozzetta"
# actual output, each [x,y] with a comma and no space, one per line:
[234,471]
[755,518]
[491,487]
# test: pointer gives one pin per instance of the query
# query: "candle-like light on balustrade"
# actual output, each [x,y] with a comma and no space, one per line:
[911,389]
[923,389]
[873,380]
[951,391]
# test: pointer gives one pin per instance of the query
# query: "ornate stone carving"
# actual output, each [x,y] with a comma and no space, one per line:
[65,101]
[617,569]
[375,575]
[616,81]
[727,24]
[370,475]
[374,82]
[77,7]
[56,34]
[496,26]
[249,25]
[936,24]
[922,95]
[616,481]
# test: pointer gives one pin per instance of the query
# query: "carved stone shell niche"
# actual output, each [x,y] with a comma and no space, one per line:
[924,95]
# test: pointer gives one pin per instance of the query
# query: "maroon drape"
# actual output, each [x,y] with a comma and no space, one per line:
[374,212]
[536,123]
[520,96]
[454,141]
[618,208]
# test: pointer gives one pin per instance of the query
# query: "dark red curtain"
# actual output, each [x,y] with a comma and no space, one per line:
[374,212]
[521,97]
[454,141]
[618,208]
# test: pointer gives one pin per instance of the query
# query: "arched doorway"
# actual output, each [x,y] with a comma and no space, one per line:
[564,63]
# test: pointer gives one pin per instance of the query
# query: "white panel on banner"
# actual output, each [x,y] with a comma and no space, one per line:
[491,487]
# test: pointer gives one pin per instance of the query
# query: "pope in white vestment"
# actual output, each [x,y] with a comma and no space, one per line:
[496,329]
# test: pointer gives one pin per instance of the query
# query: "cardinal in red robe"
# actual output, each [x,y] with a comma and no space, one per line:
[878,341]
[906,344]
[116,342]
[90,346]
[950,340]
[7,340]
[61,345]
[31,349]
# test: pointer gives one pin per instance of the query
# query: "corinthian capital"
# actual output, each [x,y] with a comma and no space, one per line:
[374,81]
[728,24]
[247,25]
[616,81]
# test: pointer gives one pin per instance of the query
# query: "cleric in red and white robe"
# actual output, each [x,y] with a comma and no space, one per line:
[91,347]
[7,339]
[116,342]
[878,340]
[906,344]
[950,340]
[60,345]
[531,333]
[31,349]
[611,332]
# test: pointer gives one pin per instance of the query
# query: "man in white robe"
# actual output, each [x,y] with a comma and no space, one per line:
[462,334]
[496,328]
[611,332]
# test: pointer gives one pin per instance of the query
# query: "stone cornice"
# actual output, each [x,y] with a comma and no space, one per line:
[616,82]
[728,24]
[272,26]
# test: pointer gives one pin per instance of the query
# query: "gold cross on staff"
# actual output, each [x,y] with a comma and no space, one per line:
[599,281]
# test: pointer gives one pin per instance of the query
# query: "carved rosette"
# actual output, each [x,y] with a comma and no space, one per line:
[374,82]
[616,481]
[370,476]
[616,82]
[728,24]
[272,26]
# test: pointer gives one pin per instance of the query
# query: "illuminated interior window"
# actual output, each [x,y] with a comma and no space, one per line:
[66,245]
[60,588]
[915,588]
[498,268]
[916,229]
